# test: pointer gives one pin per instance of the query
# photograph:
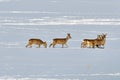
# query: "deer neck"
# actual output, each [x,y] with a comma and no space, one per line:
[67,38]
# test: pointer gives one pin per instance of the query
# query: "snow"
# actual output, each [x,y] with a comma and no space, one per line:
[62,20]
[21,20]
[72,63]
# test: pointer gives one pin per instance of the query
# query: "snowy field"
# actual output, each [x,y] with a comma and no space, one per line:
[72,63]
[21,20]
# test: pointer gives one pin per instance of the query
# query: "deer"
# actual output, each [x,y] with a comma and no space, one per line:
[62,41]
[92,43]
[101,42]
[38,42]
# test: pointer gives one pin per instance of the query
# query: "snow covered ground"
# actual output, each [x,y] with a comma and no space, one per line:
[21,20]
[72,63]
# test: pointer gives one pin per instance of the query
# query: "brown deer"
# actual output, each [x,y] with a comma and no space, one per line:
[62,41]
[92,43]
[88,43]
[84,44]
[100,42]
[37,42]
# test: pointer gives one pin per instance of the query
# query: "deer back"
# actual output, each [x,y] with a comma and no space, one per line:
[35,41]
[60,40]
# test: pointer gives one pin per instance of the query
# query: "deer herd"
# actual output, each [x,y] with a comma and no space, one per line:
[98,42]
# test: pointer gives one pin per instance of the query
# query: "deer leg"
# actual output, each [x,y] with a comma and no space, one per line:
[93,45]
[82,45]
[103,46]
[53,45]
[50,45]
[66,45]
[27,45]
[38,46]
[30,46]
[62,45]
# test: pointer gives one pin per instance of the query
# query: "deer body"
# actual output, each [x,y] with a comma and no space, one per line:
[92,43]
[62,41]
[38,42]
